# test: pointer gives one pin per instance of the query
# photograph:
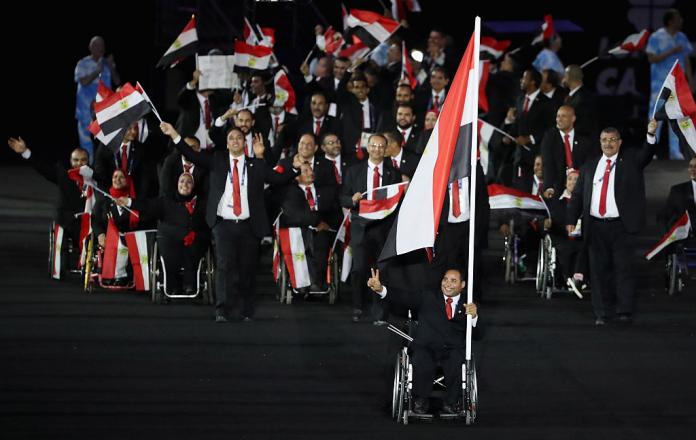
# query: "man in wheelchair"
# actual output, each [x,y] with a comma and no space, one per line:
[440,336]
[314,208]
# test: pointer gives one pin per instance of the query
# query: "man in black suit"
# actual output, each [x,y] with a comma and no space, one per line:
[317,121]
[323,170]
[244,120]
[358,115]
[682,197]
[440,336]
[610,197]
[528,122]
[432,97]
[551,87]
[280,121]
[332,84]
[175,164]
[331,146]
[133,158]
[199,108]
[400,158]
[366,239]
[583,101]
[235,212]
[562,151]
[403,95]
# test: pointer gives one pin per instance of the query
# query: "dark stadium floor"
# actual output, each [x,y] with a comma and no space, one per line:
[113,365]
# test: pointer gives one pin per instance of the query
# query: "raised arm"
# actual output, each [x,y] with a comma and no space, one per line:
[199,159]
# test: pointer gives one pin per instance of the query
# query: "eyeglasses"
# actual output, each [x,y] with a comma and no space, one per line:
[332,142]
[378,146]
[609,140]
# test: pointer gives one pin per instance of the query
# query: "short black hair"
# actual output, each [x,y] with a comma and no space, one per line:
[670,14]
[330,133]
[394,136]
[536,76]
[552,77]
[612,130]
[231,129]
[441,70]
[248,111]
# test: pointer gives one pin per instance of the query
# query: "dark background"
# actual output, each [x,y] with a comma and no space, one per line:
[43,42]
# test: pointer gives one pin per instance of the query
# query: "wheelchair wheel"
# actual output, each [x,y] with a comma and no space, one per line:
[51,249]
[285,293]
[673,281]
[209,297]
[470,393]
[155,273]
[541,269]
[335,279]
[399,398]
[507,258]
[87,282]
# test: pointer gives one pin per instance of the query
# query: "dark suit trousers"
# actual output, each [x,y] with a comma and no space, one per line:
[611,251]
[572,256]
[365,256]
[425,361]
[318,254]
[236,255]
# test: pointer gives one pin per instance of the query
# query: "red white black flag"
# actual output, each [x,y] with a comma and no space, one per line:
[407,68]
[493,47]
[679,231]
[447,158]
[632,43]
[284,92]
[382,201]
[120,109]
[251,57]
[185,44]
[371,27]
[547,30]
[675,100]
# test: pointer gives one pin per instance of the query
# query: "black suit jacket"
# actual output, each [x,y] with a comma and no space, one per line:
[585,104]
[408,163]
[296,210]
[173,168]
[355,180]
[434,330]
[681,198]
[257,172]
[70,200]
[483,209]
[352,122]
[174,219]
[141,167]
[190,109]
[553,156]
[536,122]
[558,99]
[629,189]
[305,125]
[323,170]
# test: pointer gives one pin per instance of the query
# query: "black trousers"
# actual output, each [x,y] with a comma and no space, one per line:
[236,255]
[177,256]
[365,255]
[318,253]
[613,285]
[452,251]
[572,256]
[425,361]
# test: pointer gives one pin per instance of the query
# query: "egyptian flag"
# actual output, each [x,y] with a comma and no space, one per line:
[115,254]
[112,141]
[493,47]
[675,100]
[276,248]
[679,231]
[355,51]
[407,68]
[343,235]
[121,109]
[103,91]
[547,30]
[503,197]
[632,43]
[399,8]
[447,158]
[685,128]
[330,42]
[249,33]
[185,44]
[485,134]
[58,233]
[371,27]
[139,244]
[251,57]
[284,92]
[293,250]
[86,185]
[381,201]
[484,69]
[267,36]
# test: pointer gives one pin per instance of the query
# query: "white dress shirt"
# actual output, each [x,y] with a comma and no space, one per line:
[225,207]
[612,209]
[397,158]
[366,113]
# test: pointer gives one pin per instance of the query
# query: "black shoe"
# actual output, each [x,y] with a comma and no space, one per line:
[356,315]
[599,321]
[451,408]
[421,405]
[220,316]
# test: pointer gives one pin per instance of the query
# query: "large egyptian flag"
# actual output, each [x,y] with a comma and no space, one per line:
[679,231]
[185,44]
[675,100]
[685,128]
[120,109]
[632,43]
[503,197]
[293,250]
[139,244]
[446,158]
[371,27]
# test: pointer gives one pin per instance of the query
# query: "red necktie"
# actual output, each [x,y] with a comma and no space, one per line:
[310,199]
[187,168]
[375,180]
[275,124]
[568,153]
[236,193]
[605,188]
[540,187]
[317,127]
[124,158]
[190,205]
[395,164]
[337,172]
[448,307]
[526,105]
[456,209]
[207,117]
[403,137]
[436,103]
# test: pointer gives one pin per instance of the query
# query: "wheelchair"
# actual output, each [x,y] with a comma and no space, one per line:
[549,278]
[512,258]
[680,267]
[91,269]
[402,398]
[286,291]
[205,279]
[63,255]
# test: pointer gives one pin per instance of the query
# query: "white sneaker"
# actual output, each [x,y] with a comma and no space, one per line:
[571,283]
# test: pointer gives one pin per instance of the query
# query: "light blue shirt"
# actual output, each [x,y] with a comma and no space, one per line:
[660,42]
[86,94]
[548,59]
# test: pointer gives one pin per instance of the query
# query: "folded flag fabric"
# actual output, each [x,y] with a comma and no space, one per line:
[679,231]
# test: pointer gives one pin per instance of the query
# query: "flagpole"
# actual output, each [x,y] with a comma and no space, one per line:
[588,62]
[657,98]
[106,194]
[472,194]
[147,98]
[504,133]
